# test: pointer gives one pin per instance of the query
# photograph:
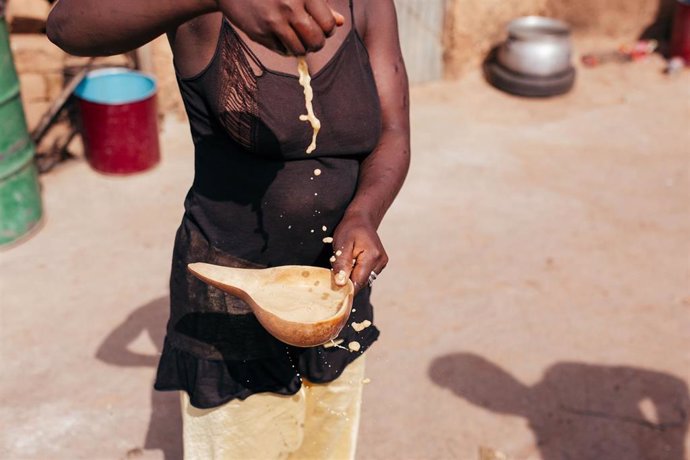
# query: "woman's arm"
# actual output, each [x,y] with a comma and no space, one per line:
[382,173]
[105,27]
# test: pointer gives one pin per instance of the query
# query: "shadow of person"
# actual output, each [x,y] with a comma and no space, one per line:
[580,411]
[165,427]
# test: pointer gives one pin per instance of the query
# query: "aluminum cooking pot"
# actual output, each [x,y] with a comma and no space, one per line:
[537,46]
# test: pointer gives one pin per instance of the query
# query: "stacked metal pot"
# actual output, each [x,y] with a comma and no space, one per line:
[535,60]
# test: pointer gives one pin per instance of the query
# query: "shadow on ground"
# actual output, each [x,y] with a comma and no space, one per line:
[165,426]
[580,410]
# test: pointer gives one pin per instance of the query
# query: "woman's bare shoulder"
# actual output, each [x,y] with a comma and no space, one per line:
[194,43]
[370,14]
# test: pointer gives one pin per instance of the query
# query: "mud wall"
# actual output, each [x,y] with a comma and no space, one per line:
[474,26]
[467,32]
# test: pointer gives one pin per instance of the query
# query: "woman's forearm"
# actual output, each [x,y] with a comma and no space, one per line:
[358,251]
[106,27]
[381,176]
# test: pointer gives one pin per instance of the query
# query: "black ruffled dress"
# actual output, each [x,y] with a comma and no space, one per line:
[257,202]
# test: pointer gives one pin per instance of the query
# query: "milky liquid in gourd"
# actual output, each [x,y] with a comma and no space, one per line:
[304,304]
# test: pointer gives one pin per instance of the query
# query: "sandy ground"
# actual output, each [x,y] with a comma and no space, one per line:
[536,301]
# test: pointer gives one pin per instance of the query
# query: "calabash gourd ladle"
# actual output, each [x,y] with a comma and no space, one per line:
[299,305]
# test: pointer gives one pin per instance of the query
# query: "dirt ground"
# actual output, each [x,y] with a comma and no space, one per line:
[537,300]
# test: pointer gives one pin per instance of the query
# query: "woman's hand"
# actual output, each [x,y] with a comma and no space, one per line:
[105,27]
[292,27]
[357,250]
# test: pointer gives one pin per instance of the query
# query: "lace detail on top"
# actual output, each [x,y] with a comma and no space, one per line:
[239,110]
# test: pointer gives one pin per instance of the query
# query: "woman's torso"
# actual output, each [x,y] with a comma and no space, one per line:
[257,194]
[258,200]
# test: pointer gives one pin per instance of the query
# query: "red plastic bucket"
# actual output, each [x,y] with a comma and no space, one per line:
[119,121]
[680,39]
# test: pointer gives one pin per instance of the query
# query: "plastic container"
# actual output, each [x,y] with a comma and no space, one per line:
[119,121]
[680,37]
[20,196]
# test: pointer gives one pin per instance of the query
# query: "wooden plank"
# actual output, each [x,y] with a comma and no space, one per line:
[58,104]
[27,16]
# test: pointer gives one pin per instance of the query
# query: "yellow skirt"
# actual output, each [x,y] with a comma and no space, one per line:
[319,422]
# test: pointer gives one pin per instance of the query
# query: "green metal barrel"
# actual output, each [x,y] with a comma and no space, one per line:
[20,197]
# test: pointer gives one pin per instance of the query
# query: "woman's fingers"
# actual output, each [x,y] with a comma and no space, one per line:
[373,260]
[339,18]
[342,262]
[292,27]
[289,41]
[316,22]
[323,15]
[309,32]
[356,261]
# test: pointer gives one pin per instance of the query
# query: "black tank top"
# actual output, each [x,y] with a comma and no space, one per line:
[259,200]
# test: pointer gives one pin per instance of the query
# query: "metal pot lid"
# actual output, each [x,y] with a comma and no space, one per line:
[538,27]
